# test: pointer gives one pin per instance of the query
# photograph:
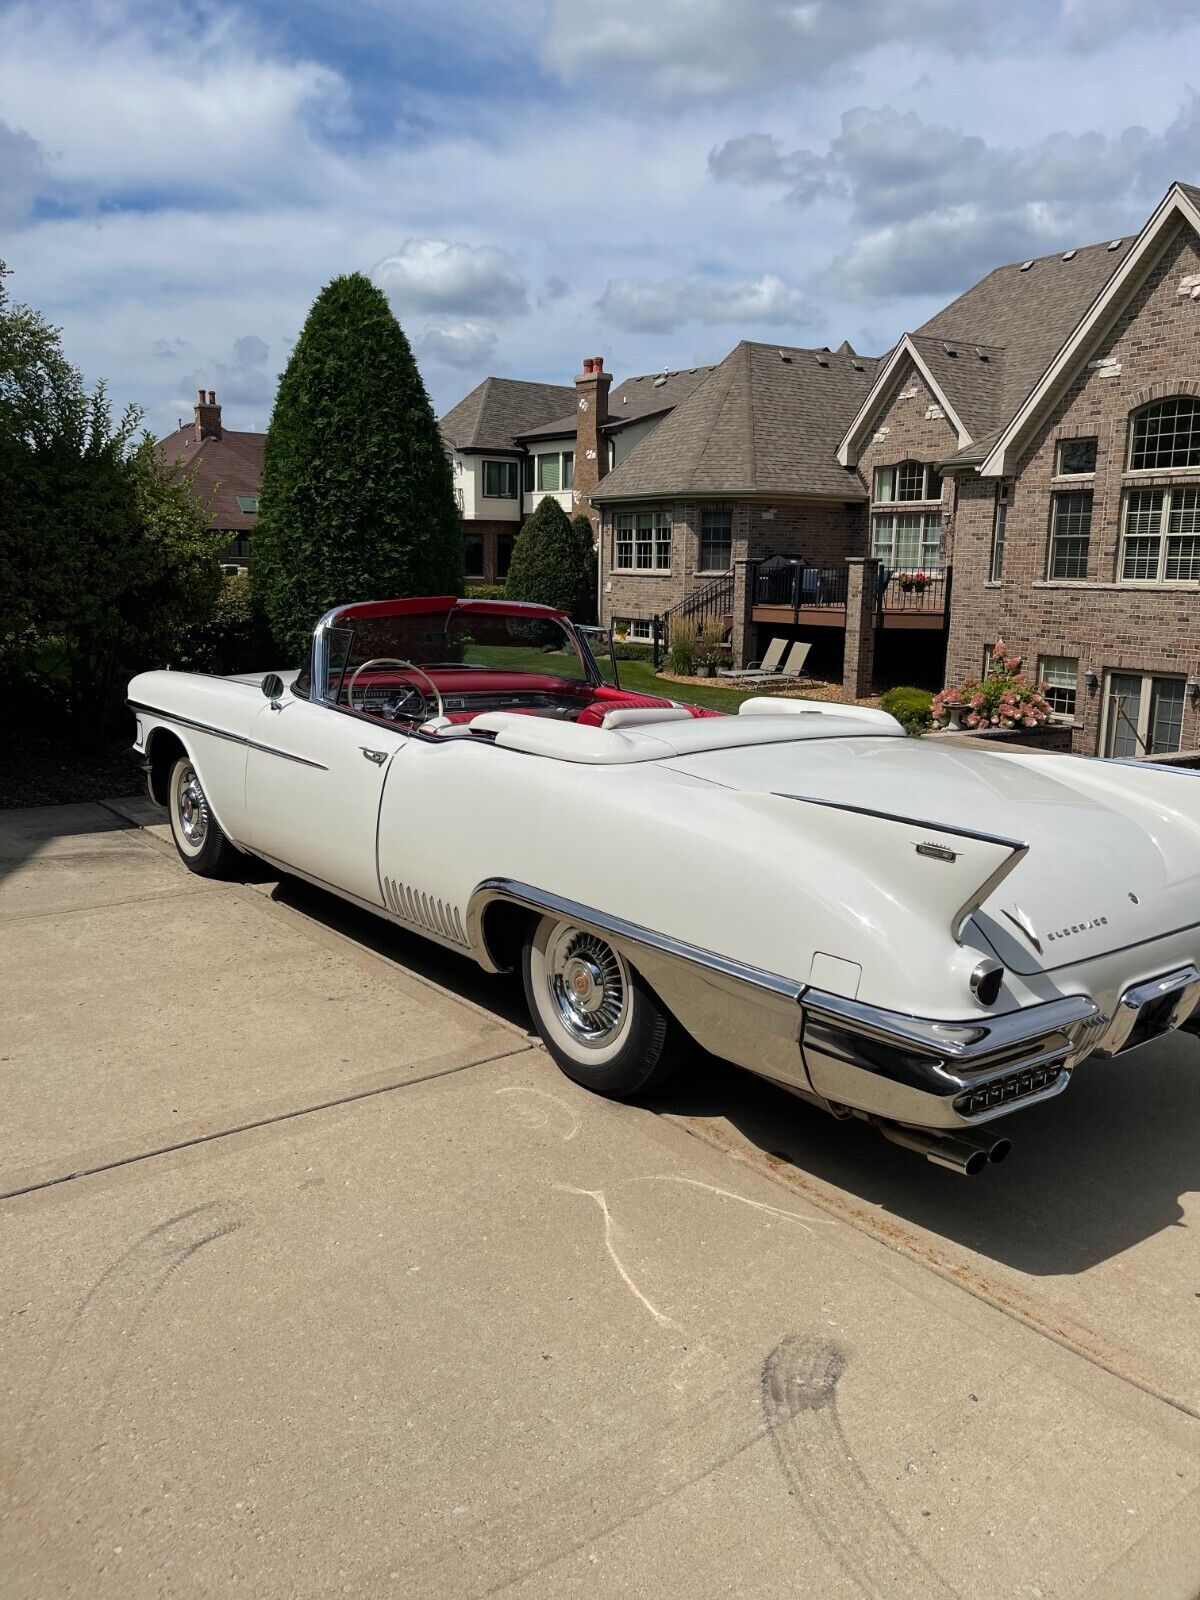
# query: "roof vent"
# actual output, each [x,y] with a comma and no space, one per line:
[982,353]
[858,366]
[1116,244]
[949,349]
[1069,255]
[783,356]
[1025,266]
[822,360]
[660,380]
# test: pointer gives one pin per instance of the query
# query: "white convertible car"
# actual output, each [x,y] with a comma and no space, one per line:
[926,936]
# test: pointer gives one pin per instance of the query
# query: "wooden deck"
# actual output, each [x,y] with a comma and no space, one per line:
[835,617]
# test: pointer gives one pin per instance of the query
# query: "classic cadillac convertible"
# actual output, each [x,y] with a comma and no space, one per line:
[926,936]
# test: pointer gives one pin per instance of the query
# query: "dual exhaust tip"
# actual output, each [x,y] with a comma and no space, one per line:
[963,1152]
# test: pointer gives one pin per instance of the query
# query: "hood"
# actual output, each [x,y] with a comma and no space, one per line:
[1114,851]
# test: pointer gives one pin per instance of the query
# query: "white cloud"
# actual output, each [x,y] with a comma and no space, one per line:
[638,305]
[719,48]
[458,344]
[433,275]
[22,173]
[242,381]
[934,207]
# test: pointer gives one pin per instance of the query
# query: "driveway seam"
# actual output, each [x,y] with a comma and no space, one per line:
[102,905]
[256,1122]
[978,1289]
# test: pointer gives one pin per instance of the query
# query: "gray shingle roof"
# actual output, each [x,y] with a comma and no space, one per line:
[631,401]
[765,422]
[218,471]
[499,409]
[1027,311]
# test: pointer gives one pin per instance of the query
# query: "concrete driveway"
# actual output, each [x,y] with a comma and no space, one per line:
[317,1278]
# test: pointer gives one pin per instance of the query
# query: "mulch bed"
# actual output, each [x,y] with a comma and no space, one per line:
[37,771]
[813,689]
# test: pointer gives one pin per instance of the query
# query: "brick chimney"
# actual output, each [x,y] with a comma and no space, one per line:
[208,416]
[591,446]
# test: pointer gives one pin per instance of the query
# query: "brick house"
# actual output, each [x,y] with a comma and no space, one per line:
[1059,399]
[224,471]
[511,444]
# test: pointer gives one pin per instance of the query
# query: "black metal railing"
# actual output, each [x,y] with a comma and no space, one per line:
[713,600]
[799,586]
[915,589]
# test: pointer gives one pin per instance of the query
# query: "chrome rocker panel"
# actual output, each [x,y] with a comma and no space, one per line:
[846,1055]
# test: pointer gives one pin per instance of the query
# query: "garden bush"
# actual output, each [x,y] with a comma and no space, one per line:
[233,638]
[1003,699]
[912,709]
[550,565]
[484,591]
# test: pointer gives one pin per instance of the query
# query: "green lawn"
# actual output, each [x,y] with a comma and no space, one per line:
[638,676]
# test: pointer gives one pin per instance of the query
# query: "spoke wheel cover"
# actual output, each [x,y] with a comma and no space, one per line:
[588,985]
[191,810]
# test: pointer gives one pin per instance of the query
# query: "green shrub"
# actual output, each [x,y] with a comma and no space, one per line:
[549,564]
[912,709]
[484,591]
[625,650]
[234,638]
[357,499]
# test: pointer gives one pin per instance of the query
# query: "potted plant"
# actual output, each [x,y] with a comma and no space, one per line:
[1001,699]
[707,648]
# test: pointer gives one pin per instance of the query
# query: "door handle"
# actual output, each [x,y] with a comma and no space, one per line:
[377,756]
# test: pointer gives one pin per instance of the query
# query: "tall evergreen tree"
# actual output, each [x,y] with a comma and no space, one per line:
[549,564]
[357,500]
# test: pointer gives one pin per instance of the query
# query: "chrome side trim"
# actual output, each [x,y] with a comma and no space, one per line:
[966,1041]
[524,894]
[224,733]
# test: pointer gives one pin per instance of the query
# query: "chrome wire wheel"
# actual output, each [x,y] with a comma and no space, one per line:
[589,986]
[192,809]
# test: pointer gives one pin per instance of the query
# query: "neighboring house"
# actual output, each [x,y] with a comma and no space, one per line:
[1060,400]
[224,470]
[512,443]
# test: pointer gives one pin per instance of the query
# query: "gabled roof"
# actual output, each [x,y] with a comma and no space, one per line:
[764,422]
[1181,203]
[1016,317]
[499,410]
[218,470]
[650,395]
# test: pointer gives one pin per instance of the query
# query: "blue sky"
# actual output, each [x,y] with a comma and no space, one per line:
[538,181]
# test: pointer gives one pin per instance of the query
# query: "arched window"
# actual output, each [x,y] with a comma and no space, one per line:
[1166,435]
[907,480]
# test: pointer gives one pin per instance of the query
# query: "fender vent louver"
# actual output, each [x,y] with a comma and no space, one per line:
[423,911]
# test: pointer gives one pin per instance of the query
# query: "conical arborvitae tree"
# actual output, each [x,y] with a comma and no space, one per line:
[357,500]
[549,564]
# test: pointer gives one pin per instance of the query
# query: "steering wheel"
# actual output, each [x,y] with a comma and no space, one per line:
[406,666]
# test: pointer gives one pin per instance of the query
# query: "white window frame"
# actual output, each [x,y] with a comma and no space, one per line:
[1144,411]
[881,498]
[713,511]
[562,457]
[999,531]
[1059,677]
[929,540]
[1055,536]
[1172,502]
[640,629]
[1064,444]
[646,545]
[512,472]
[1149,680]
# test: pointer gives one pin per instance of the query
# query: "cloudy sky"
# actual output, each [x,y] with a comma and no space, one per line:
[532,181]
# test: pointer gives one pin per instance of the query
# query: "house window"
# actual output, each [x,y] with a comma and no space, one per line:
[473,554]
[1059,677]
[999,527]
[716,541]
[248,504]
[1075,456]
[1161,542]
[504,550]
[527,474]
[239,545]
[1070,533]
[1143,715]
[636,628]
[500,480]
[568,469]
[642,541]
[1166,435]
[548,472]
[908,539]
[908,480]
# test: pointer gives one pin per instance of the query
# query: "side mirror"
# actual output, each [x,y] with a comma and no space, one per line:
[272,686]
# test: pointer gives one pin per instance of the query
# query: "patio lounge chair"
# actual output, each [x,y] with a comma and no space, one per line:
[771,663]
[791,671]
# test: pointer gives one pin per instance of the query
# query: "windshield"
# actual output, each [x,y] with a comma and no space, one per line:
[512,644]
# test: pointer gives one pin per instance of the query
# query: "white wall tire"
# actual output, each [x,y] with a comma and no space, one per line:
[202,847]
[596,1017]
